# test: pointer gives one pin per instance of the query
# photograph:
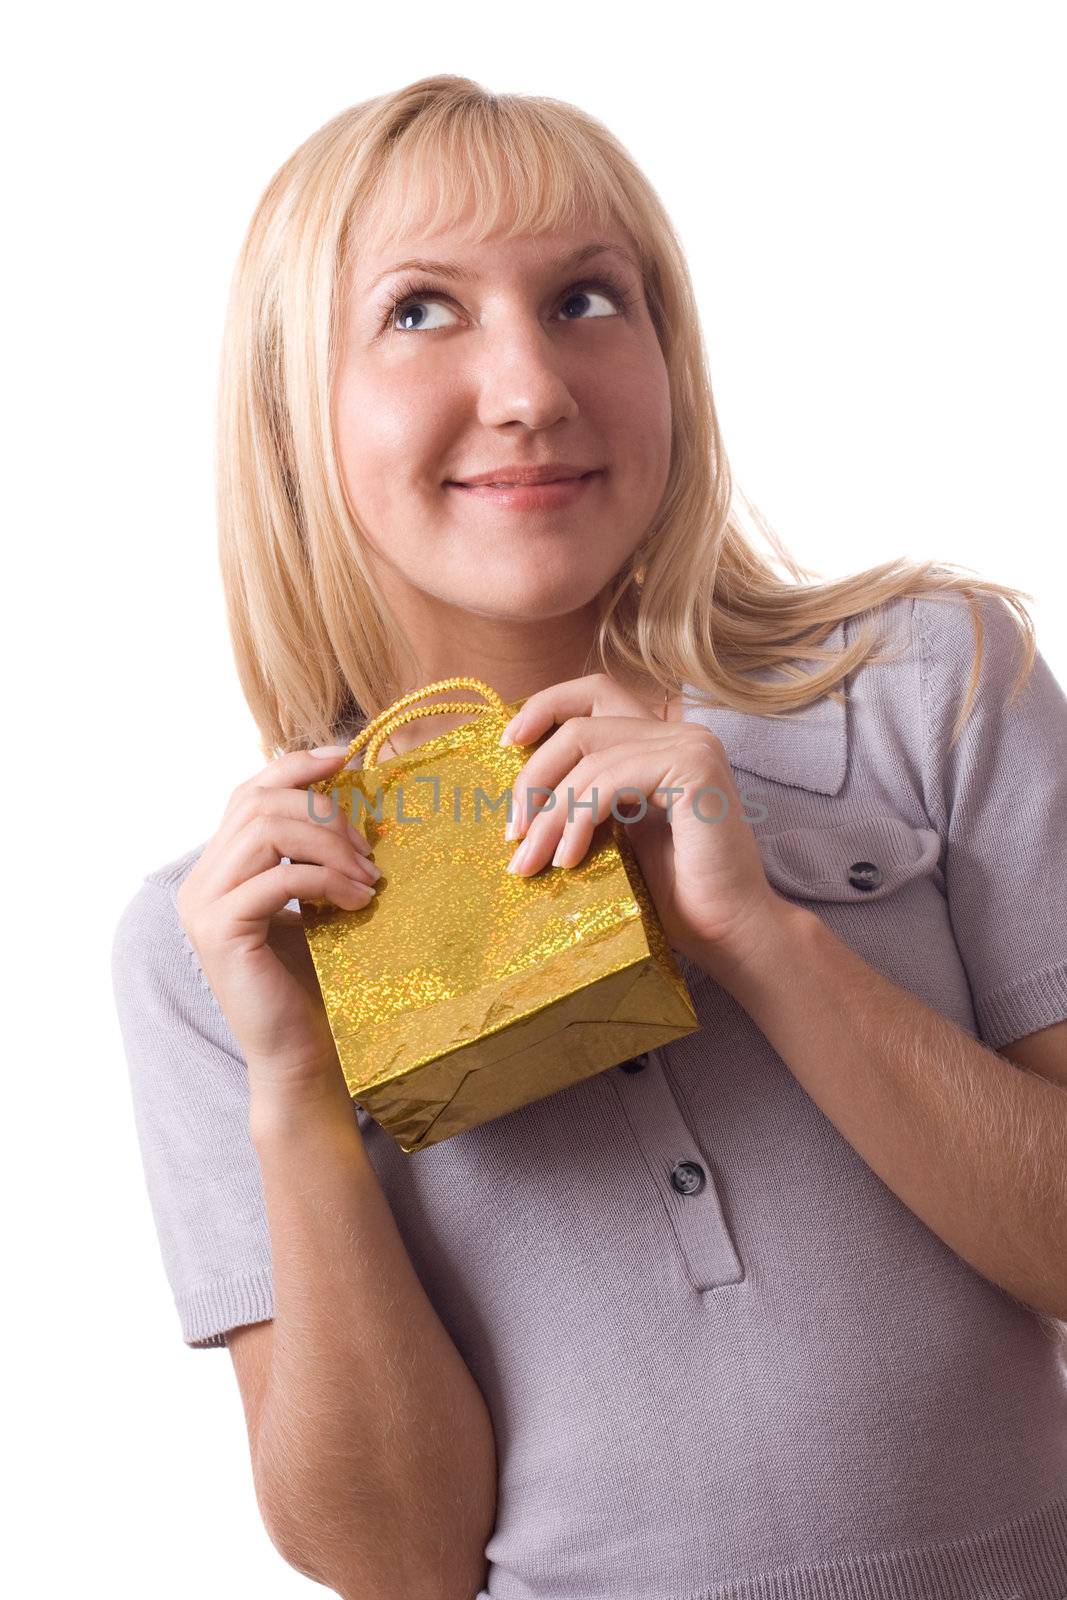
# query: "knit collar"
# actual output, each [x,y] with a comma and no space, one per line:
[807,749]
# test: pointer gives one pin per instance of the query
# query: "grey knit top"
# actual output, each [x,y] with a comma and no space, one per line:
[781,1384]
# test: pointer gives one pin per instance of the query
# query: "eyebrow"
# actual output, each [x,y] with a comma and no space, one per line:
[454,269]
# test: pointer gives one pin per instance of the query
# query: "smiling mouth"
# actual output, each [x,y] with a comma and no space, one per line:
[520,483]
[544,496]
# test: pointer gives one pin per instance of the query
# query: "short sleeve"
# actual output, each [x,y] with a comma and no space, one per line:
[999,800]
[191,1101]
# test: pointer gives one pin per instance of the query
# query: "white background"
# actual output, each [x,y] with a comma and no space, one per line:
[871,200]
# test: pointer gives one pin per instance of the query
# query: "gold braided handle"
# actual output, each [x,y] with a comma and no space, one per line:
[395,716]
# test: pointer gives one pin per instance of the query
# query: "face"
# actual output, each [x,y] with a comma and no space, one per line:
[522,353]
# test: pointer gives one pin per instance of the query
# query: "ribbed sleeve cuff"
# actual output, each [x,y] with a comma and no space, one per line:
[1032,1003]
[208,1310]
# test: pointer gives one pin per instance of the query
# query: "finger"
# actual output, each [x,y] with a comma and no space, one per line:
[330,810]
[543,771]
[626,777]
[296,769]
[300,771]
[266,838]
[594,695]
[263,896]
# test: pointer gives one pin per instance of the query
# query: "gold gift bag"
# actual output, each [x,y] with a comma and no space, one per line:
[462,991]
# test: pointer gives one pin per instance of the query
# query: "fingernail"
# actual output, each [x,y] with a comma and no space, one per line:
[331,750]
[519,858]
[357,839]
[505,737]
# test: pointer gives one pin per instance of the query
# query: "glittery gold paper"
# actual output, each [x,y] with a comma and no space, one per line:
[463,991]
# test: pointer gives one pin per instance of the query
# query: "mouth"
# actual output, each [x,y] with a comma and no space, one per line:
[521,479]
[543,495]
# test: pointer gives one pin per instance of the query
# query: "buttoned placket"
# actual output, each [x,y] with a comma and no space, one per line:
[679,1170]
[809,750]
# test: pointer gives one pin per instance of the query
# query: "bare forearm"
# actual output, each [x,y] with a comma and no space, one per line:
[375,1456]
[974,1146]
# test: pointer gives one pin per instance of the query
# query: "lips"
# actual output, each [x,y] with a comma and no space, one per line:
[519,483]
[505,477]
[544,493]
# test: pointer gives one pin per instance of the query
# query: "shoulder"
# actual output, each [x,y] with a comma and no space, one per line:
[893,728]
[162,883]
[154,900]
[954,633]
[172,874]
[929,649]
[937,632]
[148,934]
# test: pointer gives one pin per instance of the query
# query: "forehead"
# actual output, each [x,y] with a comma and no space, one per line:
[455,210]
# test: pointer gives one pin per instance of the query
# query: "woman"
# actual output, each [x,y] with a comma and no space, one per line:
[774,1311]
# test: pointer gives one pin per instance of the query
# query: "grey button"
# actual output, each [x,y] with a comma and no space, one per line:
[688,1177]
[864,875]
[635,1064]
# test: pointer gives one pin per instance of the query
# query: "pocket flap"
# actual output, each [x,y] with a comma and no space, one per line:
[863,859]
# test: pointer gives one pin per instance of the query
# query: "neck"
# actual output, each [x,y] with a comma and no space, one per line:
[515,657]
[658,702]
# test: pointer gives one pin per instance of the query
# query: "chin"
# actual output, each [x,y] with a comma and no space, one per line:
[539,595]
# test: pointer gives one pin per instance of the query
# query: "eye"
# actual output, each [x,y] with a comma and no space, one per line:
[415,306]
[413,300]
[613,297]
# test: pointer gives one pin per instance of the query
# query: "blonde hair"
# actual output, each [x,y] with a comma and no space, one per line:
[316,648]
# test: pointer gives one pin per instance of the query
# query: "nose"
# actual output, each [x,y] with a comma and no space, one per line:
[520,378]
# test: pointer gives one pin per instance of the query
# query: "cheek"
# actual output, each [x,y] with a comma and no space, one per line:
[386,423]
[636,406]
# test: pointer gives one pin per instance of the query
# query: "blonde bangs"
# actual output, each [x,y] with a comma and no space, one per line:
[493,169]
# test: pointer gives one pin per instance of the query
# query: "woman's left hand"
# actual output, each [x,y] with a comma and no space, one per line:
[698,855]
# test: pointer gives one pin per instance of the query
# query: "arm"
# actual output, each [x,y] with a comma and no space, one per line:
[374,1455]
[974,1146]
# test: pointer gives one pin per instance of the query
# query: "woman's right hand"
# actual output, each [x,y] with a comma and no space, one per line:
[253,950]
